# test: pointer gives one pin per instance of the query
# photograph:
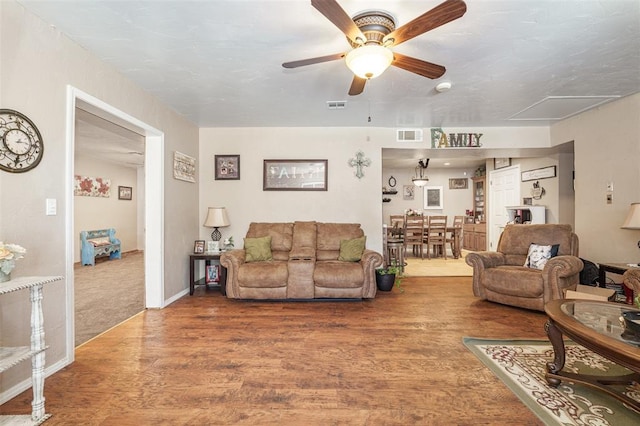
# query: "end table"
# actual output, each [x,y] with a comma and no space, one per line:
[207,257]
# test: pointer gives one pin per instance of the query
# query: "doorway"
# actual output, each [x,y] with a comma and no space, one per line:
[153,206]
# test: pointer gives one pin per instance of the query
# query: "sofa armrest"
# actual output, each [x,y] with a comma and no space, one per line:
[479,261]
[370,261]
[485,259]
[232,260]
[559,274]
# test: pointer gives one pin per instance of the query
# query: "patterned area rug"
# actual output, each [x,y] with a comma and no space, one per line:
[521,365]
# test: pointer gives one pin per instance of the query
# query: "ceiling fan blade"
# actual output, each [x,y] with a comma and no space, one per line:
[439,15]
[418,66]
[357,85]
[311,61]
[336,14]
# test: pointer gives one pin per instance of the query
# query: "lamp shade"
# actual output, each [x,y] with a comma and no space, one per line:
[369,61]
[216,218]
[633,217]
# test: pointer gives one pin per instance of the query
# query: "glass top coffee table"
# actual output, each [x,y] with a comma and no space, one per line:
[596,326]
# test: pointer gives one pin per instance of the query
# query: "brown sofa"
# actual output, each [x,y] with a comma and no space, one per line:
[304,264]
[501,276]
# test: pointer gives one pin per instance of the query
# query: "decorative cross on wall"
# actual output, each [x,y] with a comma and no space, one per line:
[359,162]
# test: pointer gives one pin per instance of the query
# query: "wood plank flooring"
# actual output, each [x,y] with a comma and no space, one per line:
[206,360]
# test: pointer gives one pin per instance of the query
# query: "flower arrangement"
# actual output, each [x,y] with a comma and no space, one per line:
[9,253]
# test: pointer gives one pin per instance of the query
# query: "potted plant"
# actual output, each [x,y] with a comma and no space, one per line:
[387,277]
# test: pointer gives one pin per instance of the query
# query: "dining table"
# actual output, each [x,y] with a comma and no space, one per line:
[397,233]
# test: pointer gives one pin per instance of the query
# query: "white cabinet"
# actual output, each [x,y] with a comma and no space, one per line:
[12,356]
[527,214]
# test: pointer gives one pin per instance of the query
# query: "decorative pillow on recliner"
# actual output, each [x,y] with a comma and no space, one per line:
[539,255]
[257,249]
[351,250]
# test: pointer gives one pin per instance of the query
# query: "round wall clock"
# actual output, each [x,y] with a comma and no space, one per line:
[21,144]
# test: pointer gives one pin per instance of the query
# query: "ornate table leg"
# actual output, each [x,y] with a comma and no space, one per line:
[37,361]
[553,368]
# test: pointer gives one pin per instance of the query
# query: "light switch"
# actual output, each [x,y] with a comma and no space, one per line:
[609,186]
[52,207]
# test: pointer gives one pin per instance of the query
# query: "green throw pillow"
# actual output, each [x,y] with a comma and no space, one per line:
[257,249]
[351,250]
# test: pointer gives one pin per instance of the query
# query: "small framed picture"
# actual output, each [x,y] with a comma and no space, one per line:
[213,274]
[124,193]
[198,247]
[408,192]
[458,183]
[499,163]
[227,167]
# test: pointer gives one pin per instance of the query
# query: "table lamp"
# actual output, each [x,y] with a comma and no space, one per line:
[633,219]
[216,218]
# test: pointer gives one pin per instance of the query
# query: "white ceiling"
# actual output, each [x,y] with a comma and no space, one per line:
[218,62]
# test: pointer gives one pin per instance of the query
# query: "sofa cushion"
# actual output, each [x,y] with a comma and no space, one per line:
[516,239]
[539,254]
[281,237]
[257,249]
[514,281]
[336,274]
[263,274]
[351,250]
[101,241]
[330,235]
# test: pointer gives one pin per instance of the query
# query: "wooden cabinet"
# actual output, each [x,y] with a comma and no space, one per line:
[474,236]
[479,197]
[11,356]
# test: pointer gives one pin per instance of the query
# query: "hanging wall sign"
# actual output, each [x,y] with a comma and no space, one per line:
[440,139]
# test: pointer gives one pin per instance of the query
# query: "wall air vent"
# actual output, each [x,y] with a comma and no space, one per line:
[336,104]
[409,135]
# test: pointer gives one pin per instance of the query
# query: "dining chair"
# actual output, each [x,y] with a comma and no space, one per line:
[413,235]
[396,225]
[436,235]
[458,222]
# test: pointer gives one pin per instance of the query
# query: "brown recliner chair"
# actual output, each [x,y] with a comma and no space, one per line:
[501,276]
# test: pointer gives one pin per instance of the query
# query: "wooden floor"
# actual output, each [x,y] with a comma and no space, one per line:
[206,360]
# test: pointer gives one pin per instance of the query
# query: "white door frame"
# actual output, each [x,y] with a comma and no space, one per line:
[153,207]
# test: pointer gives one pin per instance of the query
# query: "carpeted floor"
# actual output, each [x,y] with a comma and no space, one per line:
[438,267]
[521,365]
[107,294]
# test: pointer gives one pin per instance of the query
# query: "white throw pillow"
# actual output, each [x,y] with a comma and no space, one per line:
[538,256]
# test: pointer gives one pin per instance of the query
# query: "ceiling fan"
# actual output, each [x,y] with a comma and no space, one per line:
[372,33]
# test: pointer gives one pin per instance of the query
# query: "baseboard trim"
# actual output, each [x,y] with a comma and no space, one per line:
[26,384]
[176,297]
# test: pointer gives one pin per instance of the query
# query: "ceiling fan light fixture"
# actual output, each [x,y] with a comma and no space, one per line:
[369,61]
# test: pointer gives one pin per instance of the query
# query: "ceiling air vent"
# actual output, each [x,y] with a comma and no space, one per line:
[336,104]
[409,135]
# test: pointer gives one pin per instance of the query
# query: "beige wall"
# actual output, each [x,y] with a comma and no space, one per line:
[37,64]
[455,201]
[607,149]
[93,213]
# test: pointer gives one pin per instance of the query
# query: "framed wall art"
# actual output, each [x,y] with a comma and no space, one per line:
[227,167]
[124,193]
[184,167]
[500,163]
[543,173]
[91,186]
[433,197]
[458,183]
[408,192]
[295,175]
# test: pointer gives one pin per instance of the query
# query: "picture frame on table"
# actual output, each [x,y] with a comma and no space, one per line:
[213,274]
[198,247]
[124,192]
[227,167]
[295,175]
